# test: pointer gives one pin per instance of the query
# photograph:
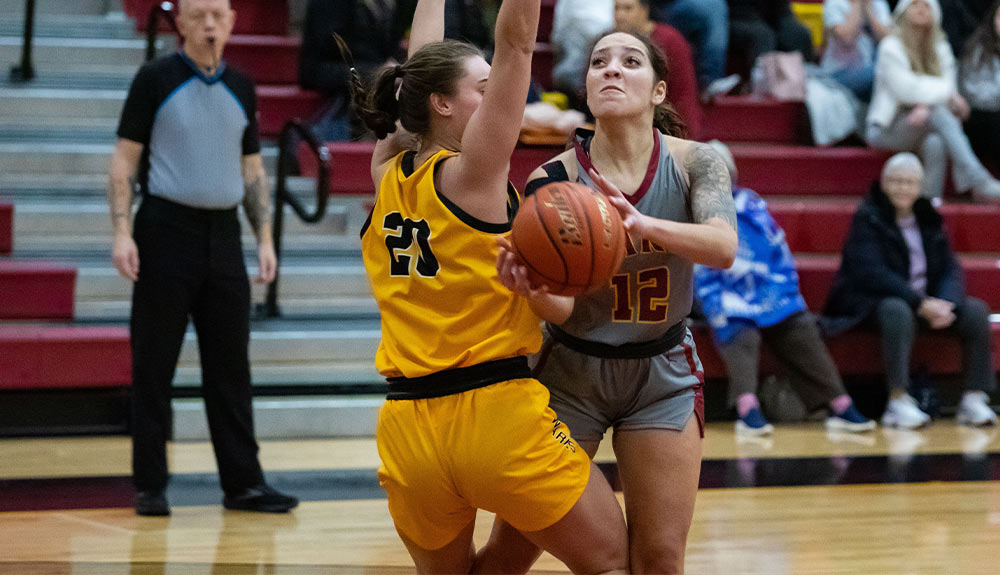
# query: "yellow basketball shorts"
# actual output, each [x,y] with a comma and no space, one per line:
[498,448]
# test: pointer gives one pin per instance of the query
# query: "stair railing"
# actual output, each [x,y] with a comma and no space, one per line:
[288,145]
[26,71]
[166,11]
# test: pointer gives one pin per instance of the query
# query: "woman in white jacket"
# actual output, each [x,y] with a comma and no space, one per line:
[916,105]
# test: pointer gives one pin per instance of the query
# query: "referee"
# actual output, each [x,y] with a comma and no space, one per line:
[188,136]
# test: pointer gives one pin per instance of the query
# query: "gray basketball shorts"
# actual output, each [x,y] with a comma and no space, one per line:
[591,394]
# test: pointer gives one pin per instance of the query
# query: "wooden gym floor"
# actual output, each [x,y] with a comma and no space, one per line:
[800,502]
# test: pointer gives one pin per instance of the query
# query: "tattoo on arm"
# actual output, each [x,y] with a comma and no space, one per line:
[256,200]
[711,188]
[120,199]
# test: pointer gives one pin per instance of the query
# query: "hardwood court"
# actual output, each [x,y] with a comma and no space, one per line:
[951,525]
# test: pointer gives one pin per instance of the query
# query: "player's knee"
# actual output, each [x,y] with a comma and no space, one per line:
[666,557]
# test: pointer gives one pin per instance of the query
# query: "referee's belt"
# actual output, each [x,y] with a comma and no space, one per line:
[452,381]
[637,350]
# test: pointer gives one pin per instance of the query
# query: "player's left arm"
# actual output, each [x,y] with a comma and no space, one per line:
[711,239]
[257,206]
[514,276]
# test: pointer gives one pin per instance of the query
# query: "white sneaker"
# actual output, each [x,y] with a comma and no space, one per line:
[902,412]
[719,87]
[975,411]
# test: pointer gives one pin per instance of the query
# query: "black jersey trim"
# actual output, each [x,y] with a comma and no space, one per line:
[672,338]
[197,71]
[582,145]
[452,381]
[408,166]
[474,222]
[554,172]
[368,222]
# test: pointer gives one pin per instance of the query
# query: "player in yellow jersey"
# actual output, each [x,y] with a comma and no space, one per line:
[465,426]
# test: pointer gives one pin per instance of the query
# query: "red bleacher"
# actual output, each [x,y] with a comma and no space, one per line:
[48,357]
[276,105]
[806,170]
[856,353]
[6,228]
[816,272]
[749,119]
[35,290]
[268,59]
[252,16]
[818,226]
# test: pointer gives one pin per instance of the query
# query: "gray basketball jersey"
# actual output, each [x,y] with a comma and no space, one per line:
[653,289]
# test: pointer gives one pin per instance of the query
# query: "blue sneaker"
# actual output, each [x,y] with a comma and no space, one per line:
[849,420]
[753,423]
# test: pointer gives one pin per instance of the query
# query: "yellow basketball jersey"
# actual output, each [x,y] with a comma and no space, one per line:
[432,268]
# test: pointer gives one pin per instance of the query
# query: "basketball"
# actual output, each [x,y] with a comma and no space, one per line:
[569,237]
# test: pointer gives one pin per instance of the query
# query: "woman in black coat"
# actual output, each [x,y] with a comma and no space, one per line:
[898,272]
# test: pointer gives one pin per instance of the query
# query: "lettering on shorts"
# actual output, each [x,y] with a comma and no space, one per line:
[560,432]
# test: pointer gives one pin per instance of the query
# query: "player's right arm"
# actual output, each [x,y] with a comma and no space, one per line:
[427,27]
[490,135]
[124,167]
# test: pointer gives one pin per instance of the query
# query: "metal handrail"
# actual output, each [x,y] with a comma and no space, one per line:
[166,10]
[282,196]
[26,71]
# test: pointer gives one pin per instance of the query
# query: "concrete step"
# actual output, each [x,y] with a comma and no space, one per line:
[351,342]
[88,130]
[87,217]
[70,247]
[63,25]
[23,187]
[78,77]
[319,306]
[82,51]
[28,103]
[308,417]
[317,373]
[15,8]
[346,278]
[74,158]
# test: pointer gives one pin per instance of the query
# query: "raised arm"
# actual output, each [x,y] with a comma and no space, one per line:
[427,27]
[492,132]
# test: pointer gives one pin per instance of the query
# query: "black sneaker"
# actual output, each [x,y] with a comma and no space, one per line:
[151,504]
[261,498]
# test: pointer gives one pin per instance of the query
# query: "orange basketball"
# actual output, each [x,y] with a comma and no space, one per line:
[569,237]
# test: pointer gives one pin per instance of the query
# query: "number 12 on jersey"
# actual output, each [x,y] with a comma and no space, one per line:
[652,296]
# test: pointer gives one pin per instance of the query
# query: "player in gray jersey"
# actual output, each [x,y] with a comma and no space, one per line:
[622,356]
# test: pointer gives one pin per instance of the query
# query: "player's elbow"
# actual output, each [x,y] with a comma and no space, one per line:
[727,250]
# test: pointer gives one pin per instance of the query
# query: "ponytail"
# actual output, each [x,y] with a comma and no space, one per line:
[377,107]
[667,120]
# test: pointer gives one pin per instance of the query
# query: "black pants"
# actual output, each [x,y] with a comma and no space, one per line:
[191,264]
[753,35]
[983,129]
[798,345]
[899,323]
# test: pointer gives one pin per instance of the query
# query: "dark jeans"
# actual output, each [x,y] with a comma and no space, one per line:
[191,263]
[983,129]
[898,324]
[752,35]
[796,342]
